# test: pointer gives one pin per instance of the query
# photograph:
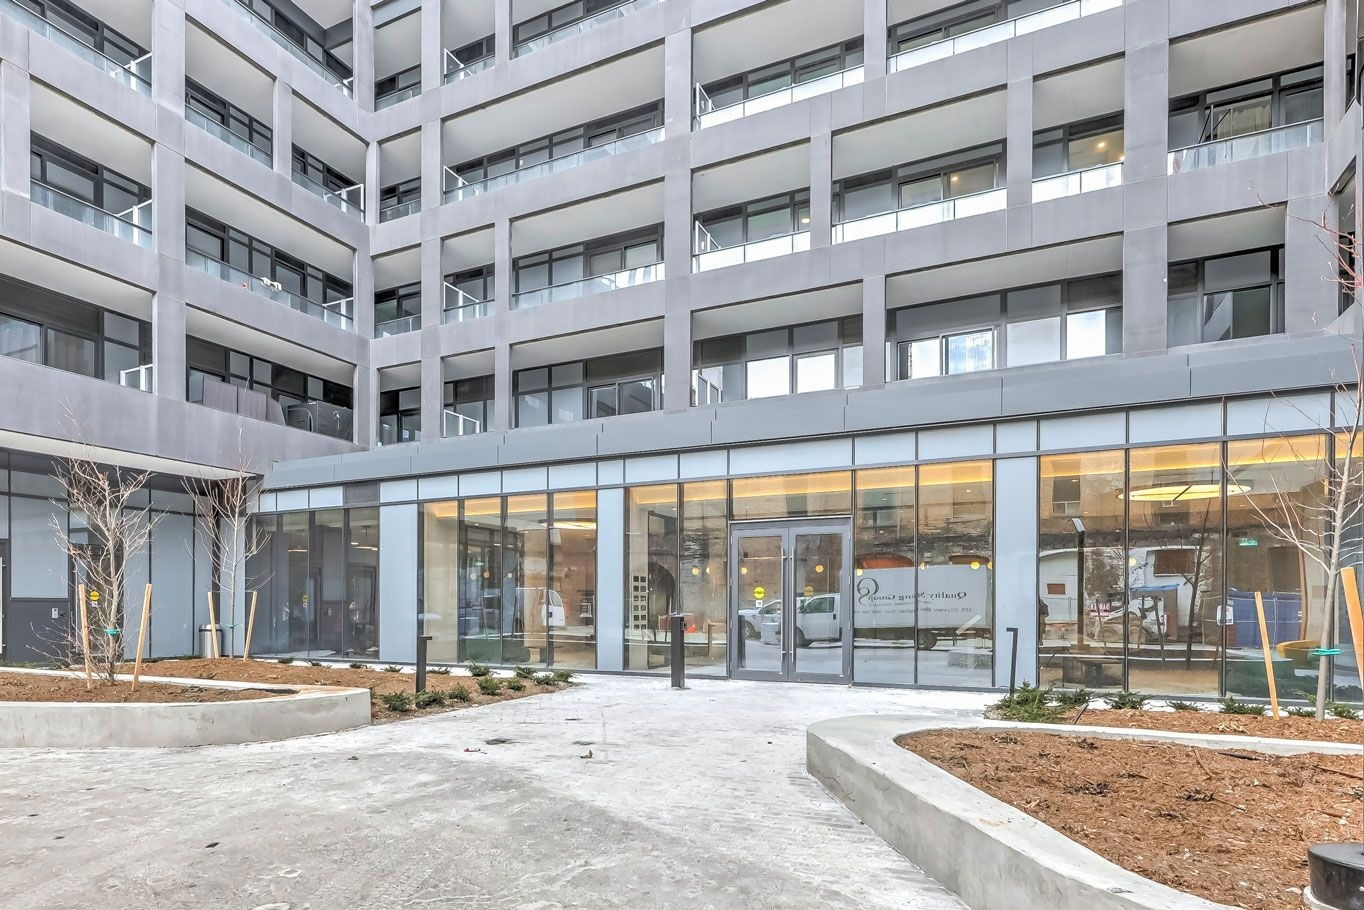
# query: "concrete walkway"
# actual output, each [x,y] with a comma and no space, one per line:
[695,799]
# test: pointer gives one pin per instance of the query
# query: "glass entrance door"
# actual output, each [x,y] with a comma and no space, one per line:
[790,610]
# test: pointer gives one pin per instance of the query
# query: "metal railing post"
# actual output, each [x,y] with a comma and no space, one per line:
[676,631]
[1013,657]
[421,662]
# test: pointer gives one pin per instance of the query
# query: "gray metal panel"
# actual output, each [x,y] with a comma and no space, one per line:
[568,476]
[1185,421]
[486,483]
[714,463]
[564,442]
[1016,566]
[324,498]
[651,469]
[1016,436]
[525,480]
[398,490]
[610,472]
[812,414]
[172,627]
[885,448]
[1286,414]
[611,579]
[1084,431]
[957,442]
[291,500]
[398,583]
[792,457]
[446,487]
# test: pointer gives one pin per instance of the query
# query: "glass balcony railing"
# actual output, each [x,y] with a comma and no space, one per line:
[351,200]
[707,114]
[456,424]
[1000,31]
[215,128]
[456,187]
[344,83]
[1073,183]
[456,69]
[320,417]
[392,98]
[401,210]
[1246,146]
[597,284]
[461,307]
[400,326]
[136,74]
[586,24]
[712,256]
[134,225]
[137,377]
[921,215]
[337,313]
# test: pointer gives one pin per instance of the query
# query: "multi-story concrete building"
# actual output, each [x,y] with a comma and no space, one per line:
[890,341]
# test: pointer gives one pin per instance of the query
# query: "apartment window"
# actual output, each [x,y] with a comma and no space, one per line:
[215,240]
[561,16]
[590,389]
[318,171]
[64,170]
[777,76]
[811,357]
[400,416]
[289,387]
[568,142]
[477,283]
[228,115]
[1226,297]
[398,82]
[309,36]
[474,51]
[394,195]
[79,24]
[962,173]
[397,303]
[604,256]
[1347,223]
[1043,324]
[42,327]
[764,219]
[1078,146]
[468,405]
[1247,107]
[960,19]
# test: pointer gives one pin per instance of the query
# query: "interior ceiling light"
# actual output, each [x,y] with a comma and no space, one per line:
[1182,492]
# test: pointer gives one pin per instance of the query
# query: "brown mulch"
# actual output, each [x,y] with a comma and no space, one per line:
[1330,730]
[38,687]
[379,682]
[1226,825]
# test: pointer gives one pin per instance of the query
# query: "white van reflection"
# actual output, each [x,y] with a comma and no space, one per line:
[816,620]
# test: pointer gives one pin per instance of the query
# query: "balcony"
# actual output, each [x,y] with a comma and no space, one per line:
[455,424]
[597,284]
[709,115]
[393,98]
[586,24]
[139,378]
[310,416]
[456,187]
[226,135]
[400,326]
[455,69]
[710,255]
[344,83]
[134,225]
[1246,146]
[137,74]
[351,200]
[1072,183]
[401,210]
[337,313]
[1000,31]
[461,307]
[921,215]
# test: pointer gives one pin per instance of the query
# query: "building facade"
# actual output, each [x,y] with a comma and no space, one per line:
[888,341]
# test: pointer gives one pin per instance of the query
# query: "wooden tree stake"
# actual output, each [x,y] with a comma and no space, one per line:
[1269,655]
[1356,614]
[212,628]
[142,635]
[250,625]
[85,638]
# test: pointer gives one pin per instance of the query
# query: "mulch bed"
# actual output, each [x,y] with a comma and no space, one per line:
[378,682]
[1226,825]
[39,687]
[1330,730]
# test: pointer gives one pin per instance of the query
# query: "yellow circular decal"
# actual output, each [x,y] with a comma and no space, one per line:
[94,595]
[758,592]
[809,591]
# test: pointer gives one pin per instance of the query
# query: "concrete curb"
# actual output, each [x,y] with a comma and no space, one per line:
[297,711]
[992,855]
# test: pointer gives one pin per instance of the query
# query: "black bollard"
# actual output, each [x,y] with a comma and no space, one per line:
[421,662]
[677,632]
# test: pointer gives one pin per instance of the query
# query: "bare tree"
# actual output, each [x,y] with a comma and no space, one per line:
[224,510]
[115,528]
[1317,524]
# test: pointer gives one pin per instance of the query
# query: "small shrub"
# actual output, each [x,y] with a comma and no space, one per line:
[1030,705]
[1182,705]
[440,671]
[1073,698]
[286,660]
[397,701]
[392,668]
[1301,712]
[459,693]
[1344,712]
[1230,705]
[516,685]
[357,666]
[430,698]
[316,663]
[477,669]
[525,672]
[489,686]
[562,676]
[1127,701]
[547,680]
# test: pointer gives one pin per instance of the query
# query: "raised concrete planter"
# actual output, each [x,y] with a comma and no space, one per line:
[297,711]
[992,855]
